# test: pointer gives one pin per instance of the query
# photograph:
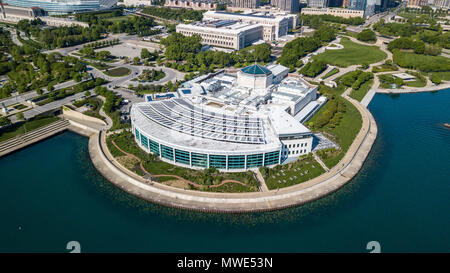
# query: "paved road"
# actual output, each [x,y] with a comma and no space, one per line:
[31,94]
[50,106]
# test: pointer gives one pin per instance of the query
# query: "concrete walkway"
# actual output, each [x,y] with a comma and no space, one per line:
[368,97]
[317,158]
[263,187]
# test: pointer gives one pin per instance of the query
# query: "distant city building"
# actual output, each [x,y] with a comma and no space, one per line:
[346,13]
[416,3]
[357,4]
[335,3]
[245,3]
[286,5]
[223,33]
[14,14]
[370,8]
[196,4]
[442,4]
[137,2]
[317,3]
[58,6]
[274,25]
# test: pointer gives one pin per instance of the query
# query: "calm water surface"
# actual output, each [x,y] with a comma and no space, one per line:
[51,194]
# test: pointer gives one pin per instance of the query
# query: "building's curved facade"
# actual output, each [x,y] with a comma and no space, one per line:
[232,122]
[183,134]
[57,6]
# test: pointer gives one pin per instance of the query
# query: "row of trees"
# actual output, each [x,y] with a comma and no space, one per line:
[421,62]
[174,14]
[355,79]
[51,69]
[89,52]
[99,22]
[59,36]
[315,21]
[298,48]
[105,43]
[332,114]
[418,46]
[185,51]
[313,68]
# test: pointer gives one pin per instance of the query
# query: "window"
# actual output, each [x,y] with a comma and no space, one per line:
[182,157]
[255,160]
[236,161]
[154,147]
[218,161]
[144,141]
[136,133]
[271,158]
[199,160]
[167,152]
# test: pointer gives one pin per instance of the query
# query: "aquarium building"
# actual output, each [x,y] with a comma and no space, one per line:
[229,121]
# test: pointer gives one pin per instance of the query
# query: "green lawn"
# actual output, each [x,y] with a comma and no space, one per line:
[443,75]
[155,166]
[118,19]
[100,65]
[19,128]
[351,54]
[421,62]
[117,72]
[384,68]
[343,133]
[416,83]
[359,94]
[301,170]
[331,73]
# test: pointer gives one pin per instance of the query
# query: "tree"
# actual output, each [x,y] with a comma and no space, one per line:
[4,121]
[39,91]
[20,116]
[136,60]
[50,87]
[87,93]
[145,54]
[103,55]
[367,35]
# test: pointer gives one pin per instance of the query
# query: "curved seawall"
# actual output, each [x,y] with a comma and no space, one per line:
[295,195]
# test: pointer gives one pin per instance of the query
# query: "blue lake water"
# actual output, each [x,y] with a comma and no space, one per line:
[51,194]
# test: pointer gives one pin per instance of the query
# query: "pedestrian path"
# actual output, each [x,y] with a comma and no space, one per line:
[368,97]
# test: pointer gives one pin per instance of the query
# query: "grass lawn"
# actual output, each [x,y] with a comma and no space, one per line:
[351,54]
[20,106]
[118,19]
[416,83]
[384,68]
[19,128]
[155,166]
[359,94]
[443,75]
[100,65]
[331,73]
[301,170]
[421,62]
[344,133]
[96,104]
[117,72]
